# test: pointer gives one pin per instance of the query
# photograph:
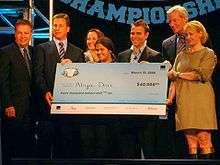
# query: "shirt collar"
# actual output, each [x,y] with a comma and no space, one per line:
[180,36]
[141,49]
[22,52]
[58,41]
[136,54]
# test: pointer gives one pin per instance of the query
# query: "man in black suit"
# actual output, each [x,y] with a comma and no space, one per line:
[16,90]
[139,50]
[177,18]
[138,133]
[48,54]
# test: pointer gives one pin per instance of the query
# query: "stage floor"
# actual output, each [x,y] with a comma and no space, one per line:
[115,161]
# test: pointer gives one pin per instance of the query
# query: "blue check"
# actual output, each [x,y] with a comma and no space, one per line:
[116,88]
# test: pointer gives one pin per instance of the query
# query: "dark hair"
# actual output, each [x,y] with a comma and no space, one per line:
[107,42]
[23,22]
[142,23]
[64,16]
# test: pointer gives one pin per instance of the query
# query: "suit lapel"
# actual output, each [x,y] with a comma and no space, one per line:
[19,57]
[144,55]
[128,56]
[54,50]
[173,43]
[68,51]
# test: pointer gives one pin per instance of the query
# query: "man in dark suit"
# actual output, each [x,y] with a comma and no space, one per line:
[48,54]
[138,133]
[177,18]
[16,90]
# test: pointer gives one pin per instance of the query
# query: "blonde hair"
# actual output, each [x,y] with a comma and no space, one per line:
[64,16]
[180,9]
[198,26]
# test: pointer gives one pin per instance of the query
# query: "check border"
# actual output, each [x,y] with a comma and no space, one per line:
[109,109]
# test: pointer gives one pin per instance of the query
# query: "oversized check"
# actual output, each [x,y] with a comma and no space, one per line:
[116,88]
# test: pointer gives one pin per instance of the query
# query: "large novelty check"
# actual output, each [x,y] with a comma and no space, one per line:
[117,88]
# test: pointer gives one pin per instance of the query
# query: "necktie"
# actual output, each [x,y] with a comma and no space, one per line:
[181,44]
[27,60]
[134,56]
[61,50]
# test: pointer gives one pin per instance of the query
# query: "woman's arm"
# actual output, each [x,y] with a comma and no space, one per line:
[172,93]
[192,76]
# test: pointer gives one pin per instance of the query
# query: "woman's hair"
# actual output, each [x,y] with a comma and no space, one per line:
[107,42]
[97,31]
[196,25]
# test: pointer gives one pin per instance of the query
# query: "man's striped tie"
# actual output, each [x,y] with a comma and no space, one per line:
[61,50]
[27,60]
[181,44]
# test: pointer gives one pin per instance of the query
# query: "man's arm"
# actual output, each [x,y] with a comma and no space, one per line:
[6,101]
[39,69]
[39,73]
[5,82]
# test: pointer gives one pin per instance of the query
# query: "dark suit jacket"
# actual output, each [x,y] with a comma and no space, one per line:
[16,83]
[169,49]
[148,55]
[47,57]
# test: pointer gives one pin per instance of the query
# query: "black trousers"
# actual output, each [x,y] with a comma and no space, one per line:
[98,136]
[137,134]
[67,137]
[17,138]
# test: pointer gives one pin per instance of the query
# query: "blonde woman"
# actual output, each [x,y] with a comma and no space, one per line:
[191,85]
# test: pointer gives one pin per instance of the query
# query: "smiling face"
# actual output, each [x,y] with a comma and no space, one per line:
[193,36]
[23,34]
[103,53]
[138,36]
[177,21]
[60,28]
[91,40]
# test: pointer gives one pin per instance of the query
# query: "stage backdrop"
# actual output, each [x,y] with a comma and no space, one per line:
[113,17]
